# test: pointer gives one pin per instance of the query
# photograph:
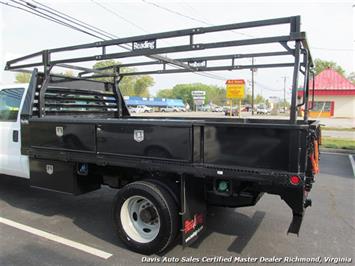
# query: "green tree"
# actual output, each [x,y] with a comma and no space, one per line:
[351,77]
[183,91]
[247,99]
[259,99]
[142,84]
[320,65]
[129,85]
[165,93]
[268,104]
[22,77]
[105,63]
[68,73]
[214,94]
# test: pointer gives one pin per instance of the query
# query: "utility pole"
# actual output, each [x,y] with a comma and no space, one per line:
[284,104]
[252,86]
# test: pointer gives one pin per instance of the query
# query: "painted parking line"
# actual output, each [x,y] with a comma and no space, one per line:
[58,239]
[351,158]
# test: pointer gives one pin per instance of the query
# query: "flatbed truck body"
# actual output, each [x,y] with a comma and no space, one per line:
[78,135]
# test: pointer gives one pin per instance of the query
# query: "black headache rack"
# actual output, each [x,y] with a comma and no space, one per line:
[68,96]
[263,152]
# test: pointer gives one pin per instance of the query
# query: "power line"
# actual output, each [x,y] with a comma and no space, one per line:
[118,15]
[125,46]
[66,20]
[100,31]
[33,9]
[110,9]
[205,22]
[42,16]
[190,7]
[77,22]
[208,75]
[176,13]
[210,24]
[266,87]
[69,21]
[30,8]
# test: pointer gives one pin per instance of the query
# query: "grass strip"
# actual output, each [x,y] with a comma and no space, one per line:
[336,143]
[338,128]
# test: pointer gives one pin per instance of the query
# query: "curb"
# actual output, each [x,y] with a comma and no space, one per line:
[341,151]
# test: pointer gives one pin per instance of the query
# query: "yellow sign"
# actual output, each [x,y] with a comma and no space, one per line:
[235,88]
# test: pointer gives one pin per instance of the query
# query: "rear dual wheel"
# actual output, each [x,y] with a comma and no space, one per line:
[145,217]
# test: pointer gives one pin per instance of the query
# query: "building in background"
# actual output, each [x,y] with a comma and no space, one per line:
[334,95]
[153,102]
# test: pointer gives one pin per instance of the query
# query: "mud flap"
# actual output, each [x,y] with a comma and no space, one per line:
[295,200]
[193,209]
[295,224]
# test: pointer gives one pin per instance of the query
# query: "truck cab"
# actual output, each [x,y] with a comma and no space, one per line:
[12,163]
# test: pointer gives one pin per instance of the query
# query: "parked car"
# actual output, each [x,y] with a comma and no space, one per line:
[169,109]
[246,108]
[235,111]
[143,109]
[217,109]
[181,109]
[262,111]
[205,108]
[282,110]
[132,109]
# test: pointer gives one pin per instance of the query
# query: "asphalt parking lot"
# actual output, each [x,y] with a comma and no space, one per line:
[328,228]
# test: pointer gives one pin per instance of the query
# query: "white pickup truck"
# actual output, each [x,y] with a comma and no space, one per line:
[141,109]
[11,161]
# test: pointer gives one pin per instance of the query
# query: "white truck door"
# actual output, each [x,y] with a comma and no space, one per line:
[11,161]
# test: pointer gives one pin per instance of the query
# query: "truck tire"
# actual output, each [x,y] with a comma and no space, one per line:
[169,186]
[146,217]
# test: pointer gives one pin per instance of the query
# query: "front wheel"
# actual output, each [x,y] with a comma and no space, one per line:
[146,217]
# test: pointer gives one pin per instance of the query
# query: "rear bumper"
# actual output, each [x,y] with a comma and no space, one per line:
[248,192]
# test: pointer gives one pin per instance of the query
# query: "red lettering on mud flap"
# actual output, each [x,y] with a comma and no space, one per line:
[193,223]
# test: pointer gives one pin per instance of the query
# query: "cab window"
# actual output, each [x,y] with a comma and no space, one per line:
[10,100]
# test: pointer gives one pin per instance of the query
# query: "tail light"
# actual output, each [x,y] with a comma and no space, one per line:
[295,180]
